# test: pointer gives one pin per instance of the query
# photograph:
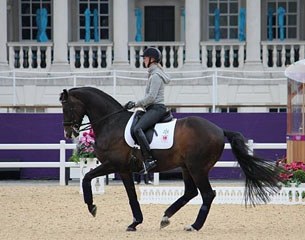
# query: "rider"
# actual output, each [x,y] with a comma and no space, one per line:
[153,103]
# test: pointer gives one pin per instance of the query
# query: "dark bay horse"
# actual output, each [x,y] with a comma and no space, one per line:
[198,145]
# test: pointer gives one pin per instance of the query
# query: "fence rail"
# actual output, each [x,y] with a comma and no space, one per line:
[16,83]
[63,146]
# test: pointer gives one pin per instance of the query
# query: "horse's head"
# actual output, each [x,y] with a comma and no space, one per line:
[73,113]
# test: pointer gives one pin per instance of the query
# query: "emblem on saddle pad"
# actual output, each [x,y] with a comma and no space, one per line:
[163,134]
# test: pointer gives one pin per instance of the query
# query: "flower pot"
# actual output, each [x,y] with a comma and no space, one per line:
[86,165]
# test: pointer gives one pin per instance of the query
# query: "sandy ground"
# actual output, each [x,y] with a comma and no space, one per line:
[58,212]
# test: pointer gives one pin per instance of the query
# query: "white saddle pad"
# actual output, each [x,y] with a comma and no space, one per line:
[163,140]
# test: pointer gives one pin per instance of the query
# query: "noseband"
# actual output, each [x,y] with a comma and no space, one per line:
[73,124]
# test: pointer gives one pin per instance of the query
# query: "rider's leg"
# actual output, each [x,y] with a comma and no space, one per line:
[151,116]
[149,162]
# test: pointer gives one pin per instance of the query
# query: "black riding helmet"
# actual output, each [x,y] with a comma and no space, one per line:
[152,52]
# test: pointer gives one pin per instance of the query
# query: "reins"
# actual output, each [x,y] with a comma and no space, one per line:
[89,125]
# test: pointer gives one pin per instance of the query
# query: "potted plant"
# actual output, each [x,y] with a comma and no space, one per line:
[84,148]
[293,174]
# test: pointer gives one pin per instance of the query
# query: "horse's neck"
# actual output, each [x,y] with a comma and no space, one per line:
[111,127]
[107,117]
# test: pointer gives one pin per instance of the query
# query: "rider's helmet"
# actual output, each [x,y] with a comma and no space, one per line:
[152,53]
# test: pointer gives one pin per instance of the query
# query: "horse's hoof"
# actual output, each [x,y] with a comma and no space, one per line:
[131,229]
[93,210]
[189,228]
[164,222]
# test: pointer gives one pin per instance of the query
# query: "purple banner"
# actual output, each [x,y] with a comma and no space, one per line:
[32,128]
[47,128]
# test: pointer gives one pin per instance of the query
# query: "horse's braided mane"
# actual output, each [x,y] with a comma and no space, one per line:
[100,93]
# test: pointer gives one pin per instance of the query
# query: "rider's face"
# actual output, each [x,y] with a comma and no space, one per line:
[146,61]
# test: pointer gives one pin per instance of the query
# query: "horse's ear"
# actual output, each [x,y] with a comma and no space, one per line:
[64,96]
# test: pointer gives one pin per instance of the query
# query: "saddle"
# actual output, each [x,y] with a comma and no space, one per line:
[149,133]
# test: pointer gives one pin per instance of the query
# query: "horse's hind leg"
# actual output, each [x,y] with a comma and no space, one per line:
[190,192]
[208,196]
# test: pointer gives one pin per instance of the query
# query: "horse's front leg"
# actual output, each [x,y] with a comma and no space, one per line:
[101,170]
[133,201]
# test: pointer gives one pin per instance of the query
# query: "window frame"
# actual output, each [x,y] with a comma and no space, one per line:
[32,27]
[228,14]
[79,15]
[275,25]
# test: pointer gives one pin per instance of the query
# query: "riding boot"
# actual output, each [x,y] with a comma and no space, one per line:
[149,162]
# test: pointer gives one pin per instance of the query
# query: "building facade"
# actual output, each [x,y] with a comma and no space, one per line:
[232,41]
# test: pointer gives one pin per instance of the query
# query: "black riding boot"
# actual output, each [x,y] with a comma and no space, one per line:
[149,162]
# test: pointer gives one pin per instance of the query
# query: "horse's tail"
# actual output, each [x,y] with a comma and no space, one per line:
[262,176]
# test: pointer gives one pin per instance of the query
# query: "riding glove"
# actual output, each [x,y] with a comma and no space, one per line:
[130,105]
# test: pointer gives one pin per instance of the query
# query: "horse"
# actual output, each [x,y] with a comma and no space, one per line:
[198,145]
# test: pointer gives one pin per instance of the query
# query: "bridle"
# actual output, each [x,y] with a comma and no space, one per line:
[75,126]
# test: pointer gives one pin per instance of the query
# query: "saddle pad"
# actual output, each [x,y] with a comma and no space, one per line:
[165,132]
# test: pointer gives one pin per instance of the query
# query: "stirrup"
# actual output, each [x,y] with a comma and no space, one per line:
[147,166]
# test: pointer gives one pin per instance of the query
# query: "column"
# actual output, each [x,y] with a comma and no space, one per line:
[60,33]
[3,35]
[120,32]
[192,32]
[253,37]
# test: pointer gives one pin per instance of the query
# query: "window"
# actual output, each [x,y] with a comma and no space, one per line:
[228,18]
[277,110]
[224,110]
[28,9]
[30,110]
[102,8]
[290,18]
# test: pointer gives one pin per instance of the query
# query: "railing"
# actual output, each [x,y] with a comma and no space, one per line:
[62,164]
[222,54]
[172,53]
[15,83]
[224,195]
[30,55]
[63,146]
[278,54]
[90,55]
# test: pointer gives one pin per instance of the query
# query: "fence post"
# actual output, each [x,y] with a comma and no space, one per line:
[251,145]
[156,178]
[14,88]
[214,92]
[114,84]
[74,80]
[62,160]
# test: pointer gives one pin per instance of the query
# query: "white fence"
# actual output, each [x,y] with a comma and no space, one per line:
[63,146]
[62,164]
[214,83]
[224,195]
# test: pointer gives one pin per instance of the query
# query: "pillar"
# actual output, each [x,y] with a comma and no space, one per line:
[3,35]
[120,32]
[192,32]
[60,33]
[253,30]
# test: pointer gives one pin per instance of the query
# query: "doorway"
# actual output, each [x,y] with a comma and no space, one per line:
[159,23]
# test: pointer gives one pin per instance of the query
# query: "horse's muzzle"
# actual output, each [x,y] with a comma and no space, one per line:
[71,132]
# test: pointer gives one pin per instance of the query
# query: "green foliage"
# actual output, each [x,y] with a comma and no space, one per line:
[299,176]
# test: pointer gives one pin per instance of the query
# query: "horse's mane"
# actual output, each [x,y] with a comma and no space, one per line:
[99,94]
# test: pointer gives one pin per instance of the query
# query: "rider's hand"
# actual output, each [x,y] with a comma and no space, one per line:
[129,105]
